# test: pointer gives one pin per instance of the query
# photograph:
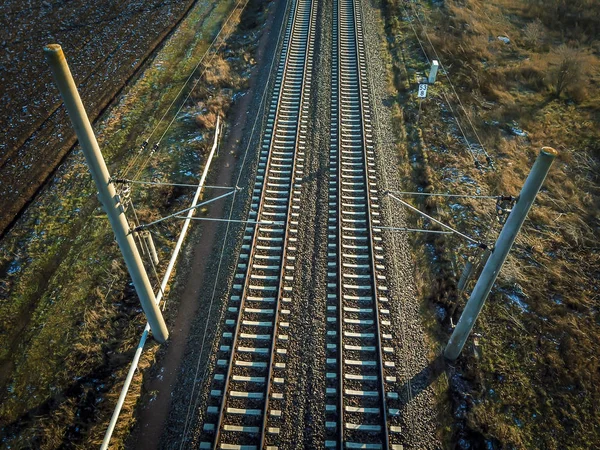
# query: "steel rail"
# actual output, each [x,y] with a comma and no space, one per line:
[364,92]
[252,255]
[285,141]
[335,146]
[300,127]
[238,320]
[353,135]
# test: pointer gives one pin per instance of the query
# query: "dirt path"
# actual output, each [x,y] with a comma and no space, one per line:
[205,249]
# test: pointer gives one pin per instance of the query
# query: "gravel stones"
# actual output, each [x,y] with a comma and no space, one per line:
[419,414]
[304,406]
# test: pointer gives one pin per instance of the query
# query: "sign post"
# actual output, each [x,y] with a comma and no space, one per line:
[422,94]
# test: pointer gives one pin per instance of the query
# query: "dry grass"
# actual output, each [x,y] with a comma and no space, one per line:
[533,381]
[217,73]
[217,105]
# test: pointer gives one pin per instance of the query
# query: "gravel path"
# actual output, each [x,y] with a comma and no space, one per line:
[419,415]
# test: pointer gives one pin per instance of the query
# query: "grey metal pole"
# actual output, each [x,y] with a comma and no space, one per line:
[466,274]
[106,191]
[151,247]
[503,245]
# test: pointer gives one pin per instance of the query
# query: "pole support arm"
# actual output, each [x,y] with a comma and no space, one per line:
[106,190]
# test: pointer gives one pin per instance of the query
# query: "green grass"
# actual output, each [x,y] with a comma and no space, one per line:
[68,318]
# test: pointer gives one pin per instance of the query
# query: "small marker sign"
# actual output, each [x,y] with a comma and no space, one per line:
[422,90]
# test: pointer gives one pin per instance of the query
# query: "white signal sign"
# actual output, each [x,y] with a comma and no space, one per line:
[422,90]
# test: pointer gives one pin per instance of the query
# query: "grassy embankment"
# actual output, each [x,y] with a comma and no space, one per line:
[532,380]
[69,320]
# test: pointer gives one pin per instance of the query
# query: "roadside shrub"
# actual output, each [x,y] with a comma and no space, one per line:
[569,71]
[217,73]
[207,120]
[216,105]
[534,33]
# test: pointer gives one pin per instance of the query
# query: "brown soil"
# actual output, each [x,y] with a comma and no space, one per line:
[154,411]
[106,45]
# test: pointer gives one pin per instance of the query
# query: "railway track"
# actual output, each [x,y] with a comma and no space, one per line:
[247,392]
[362,409]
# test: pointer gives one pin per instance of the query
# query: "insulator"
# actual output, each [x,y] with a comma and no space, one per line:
[126,191]
[504,207]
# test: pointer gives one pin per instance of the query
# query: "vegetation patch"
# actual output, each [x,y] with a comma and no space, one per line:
[526,73]
[69,317]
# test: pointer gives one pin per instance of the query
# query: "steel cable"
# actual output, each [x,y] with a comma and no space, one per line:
[223,247]
[445,72]
[145,144]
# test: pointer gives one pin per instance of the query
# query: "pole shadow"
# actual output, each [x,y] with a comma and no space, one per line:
[422,380]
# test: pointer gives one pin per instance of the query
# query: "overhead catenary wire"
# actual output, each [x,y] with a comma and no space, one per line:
[414,230]
[417,36]
[159,183]
[462,131]
[178,214]
[251,222]
[146,247]
[145,143]
[157,143]
[394,268]
[224,245]
[148,252]
[445,72]
[160,296]
[412,208]
[395,237]
[145,244]
[432,194]
[154,270]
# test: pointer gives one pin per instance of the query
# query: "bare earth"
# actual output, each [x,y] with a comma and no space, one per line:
[105,42]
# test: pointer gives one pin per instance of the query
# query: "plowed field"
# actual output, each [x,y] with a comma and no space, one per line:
[105,43]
